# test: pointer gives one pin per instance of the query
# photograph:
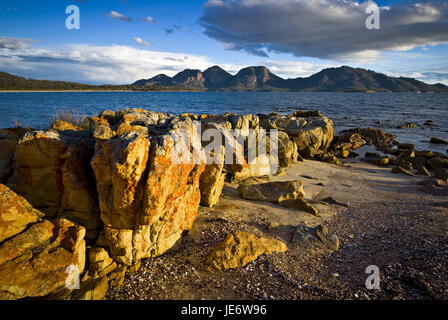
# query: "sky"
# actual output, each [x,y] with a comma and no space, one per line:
[121,41]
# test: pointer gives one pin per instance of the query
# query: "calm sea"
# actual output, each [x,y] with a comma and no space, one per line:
[347,110]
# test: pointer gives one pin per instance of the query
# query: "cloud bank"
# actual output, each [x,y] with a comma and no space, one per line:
[327,29]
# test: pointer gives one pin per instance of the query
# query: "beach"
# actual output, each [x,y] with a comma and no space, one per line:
[390,222]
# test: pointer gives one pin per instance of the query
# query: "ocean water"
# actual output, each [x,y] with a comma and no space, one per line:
[347,110]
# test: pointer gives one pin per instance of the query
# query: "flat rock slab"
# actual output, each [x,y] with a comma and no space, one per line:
[240,248]
[272,191]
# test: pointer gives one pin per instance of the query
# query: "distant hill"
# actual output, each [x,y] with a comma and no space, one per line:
[12,82]
[342,79]
[260,78]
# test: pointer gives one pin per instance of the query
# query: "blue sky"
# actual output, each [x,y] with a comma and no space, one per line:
[291,37]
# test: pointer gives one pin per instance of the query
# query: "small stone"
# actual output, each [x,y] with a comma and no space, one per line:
[435,140]
[402,170]
[328,239]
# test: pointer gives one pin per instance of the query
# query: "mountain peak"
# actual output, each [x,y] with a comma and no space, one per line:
[343,78]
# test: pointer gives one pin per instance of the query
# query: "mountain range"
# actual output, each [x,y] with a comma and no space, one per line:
[342,79]
[261,78]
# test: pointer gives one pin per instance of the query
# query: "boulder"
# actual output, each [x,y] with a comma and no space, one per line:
[61,125]
[240,248]
[40,260]
[331,241]
[15,213]
[147,197]
[355,138]
[438,163]
[311,135]
[92,289]
[52,172]
[399,169]
[435,140]
[272,191]
[212,180]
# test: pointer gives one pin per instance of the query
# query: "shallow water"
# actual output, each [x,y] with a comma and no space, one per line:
[347,110]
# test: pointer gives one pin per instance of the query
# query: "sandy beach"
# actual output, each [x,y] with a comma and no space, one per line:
[390,221]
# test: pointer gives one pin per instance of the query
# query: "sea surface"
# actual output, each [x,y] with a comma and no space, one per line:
[386,111]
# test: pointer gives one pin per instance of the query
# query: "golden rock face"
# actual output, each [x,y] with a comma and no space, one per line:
[15,213]
[240,248]
[35,262]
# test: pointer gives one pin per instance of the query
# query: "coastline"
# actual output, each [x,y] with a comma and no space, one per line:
[305,228]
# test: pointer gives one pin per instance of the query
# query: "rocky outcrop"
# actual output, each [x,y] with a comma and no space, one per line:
[51,171]
[36,255]
[212,179]
[312,135]
[240,248]
[131,182]
[15,213]
[146,199]
[354,138]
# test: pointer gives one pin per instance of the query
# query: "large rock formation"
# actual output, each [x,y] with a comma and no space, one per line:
[148,198]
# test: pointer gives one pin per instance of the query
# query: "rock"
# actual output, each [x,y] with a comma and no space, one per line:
[329,158]
[424,154]
[8,143]
[15,213]
[438,163]
[287,150]
[349,141]
[52,172]
[406,146]
[315,136]
[92,289]
[99,261]
[116,277]
[120,242]
[240,248]
[331,241]
[440,182]
[147,197]
[355,138]
[383,161]
[422,171]
[407,165]
[312,135]
[38,261]
[435,140]
[304,234]
[441,173]
[343,153]
[119,165]
[402,170]
[407,125]
[307,114]
[299,204]
[60,125]
[272,191]
[212,181]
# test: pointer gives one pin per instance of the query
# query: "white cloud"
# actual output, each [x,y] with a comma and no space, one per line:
[148,19]
[119,16]
[327,29]
[142,42]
